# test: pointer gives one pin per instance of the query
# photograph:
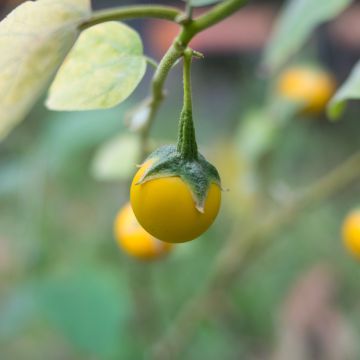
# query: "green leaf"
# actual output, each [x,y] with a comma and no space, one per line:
[89,307]
[349,90]
[103,69]
[196,3]
[256,135]
[297,20]
[34,40]
[116,159]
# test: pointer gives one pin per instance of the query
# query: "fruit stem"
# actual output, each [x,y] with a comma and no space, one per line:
[187,145]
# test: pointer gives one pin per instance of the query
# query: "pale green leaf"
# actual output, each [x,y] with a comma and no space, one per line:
[296,22]
[116,159]
[349,90]
[103,69]
[34,40]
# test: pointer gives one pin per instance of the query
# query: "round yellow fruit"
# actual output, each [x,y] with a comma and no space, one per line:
[351,233]
[134,240]
[312,87]
[166,208]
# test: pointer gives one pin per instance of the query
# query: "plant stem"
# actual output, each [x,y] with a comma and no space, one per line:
[236,255]
[186,145]
[188,10]
[131,12]
[188,54]
[151,62]
[144,303]
[217,14]
[157,89]
[176,50]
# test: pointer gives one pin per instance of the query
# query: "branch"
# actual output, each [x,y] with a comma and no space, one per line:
[217,14]
[236,256]
[189,29]
[146,318]
[132,12]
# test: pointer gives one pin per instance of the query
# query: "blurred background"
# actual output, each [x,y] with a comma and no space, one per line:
[68,292]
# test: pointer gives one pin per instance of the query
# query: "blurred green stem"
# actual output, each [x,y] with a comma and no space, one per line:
[241,249]
[145,309]
[188,10]
[151,62]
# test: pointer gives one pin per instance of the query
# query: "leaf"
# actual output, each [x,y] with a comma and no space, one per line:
[34,40]
[297,20]
[116,159]
[256,135]
[349,90]
[89,307]
[196,3]
[102,70]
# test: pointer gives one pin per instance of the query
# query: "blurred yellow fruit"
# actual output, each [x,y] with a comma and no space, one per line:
[351,233]
[307,85]
[134,240]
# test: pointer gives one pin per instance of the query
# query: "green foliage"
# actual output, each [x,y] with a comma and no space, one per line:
[256,135]
[297,20]
[102,70]
[349,90]
[89,307]
[116,159]
[34,40]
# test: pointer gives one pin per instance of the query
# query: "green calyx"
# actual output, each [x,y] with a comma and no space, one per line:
[197,173]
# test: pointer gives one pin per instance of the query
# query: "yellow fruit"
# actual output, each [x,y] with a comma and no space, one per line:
[134,240]
[351,233]
[312,87]
[166,208]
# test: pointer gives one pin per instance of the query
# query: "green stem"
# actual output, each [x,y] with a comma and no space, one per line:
[216,14]
[131,12]
[157,89]
[188,10]
[187,146]
[188,54]
[151,62]
[176,50]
